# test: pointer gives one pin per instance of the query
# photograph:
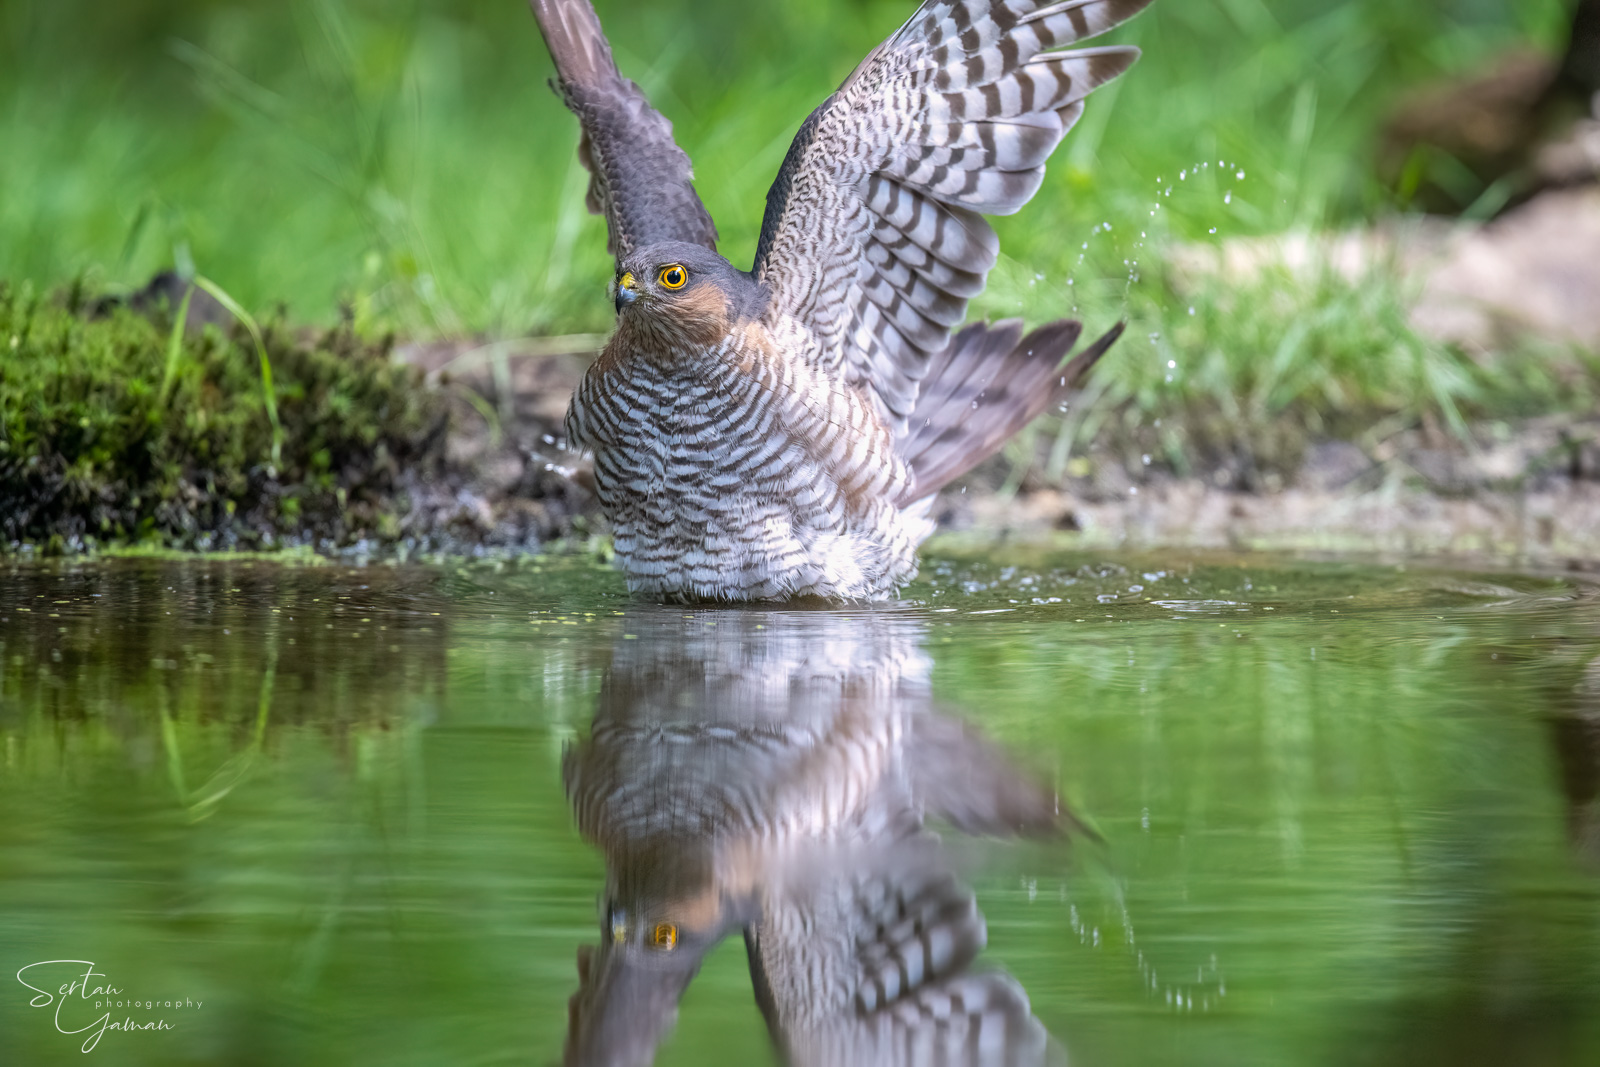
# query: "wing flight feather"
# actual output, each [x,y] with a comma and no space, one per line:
[873,240]
[639,178]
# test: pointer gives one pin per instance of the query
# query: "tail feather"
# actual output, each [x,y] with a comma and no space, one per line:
[984,387]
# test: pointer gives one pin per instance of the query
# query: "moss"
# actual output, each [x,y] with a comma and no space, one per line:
[109,435]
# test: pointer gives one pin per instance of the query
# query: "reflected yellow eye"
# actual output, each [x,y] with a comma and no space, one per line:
[665,935]
[673,276]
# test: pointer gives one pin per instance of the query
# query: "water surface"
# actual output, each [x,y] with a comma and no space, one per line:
[1132,810]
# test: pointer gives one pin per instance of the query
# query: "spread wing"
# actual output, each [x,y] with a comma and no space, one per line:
[873,238]
[876,971]
[639,178]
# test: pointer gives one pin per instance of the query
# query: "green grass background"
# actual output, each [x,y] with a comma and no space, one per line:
[407,157]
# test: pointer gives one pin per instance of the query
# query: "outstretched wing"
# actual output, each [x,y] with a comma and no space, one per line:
[873,239]
[876,972]
[639,179]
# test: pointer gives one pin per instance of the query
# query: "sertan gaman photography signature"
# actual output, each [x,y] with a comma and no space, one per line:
[86,993]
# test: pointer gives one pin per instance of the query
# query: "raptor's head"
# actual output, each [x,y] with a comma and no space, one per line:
[683,291]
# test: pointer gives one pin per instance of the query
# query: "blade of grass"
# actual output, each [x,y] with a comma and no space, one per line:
[267,395]
[204,800]
[175,342]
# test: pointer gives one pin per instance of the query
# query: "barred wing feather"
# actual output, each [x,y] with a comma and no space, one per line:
[879,977]
[873,239]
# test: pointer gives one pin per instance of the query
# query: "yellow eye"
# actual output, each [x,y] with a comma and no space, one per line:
[673,276]
[665,935]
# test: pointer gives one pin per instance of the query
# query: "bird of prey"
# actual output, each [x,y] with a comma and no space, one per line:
[781,432]
[770,774]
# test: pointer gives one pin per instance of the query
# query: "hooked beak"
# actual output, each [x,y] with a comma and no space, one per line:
[627,290]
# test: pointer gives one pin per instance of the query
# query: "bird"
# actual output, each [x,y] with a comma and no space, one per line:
[769,773]
[781,432]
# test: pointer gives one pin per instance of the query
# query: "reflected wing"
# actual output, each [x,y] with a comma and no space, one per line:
[639,179]
[873,237]
[873,972]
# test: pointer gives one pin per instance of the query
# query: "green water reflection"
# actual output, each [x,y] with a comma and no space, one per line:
[1348,813]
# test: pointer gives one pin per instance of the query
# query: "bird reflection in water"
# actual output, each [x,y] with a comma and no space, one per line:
[770,772]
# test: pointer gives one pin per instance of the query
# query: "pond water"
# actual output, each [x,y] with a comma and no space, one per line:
[1141,810]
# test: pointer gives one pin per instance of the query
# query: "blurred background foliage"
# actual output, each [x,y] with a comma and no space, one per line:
[404,158]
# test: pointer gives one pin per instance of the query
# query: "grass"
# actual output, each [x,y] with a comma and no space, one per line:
[403,167]
[1244,374]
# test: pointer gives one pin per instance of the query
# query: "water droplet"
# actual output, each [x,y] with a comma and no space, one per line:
[1227,197]
[1183,175]
[1133,490]
[1239,175]
[1191,310]
[1213,229]
[1145,459]
[1172,364]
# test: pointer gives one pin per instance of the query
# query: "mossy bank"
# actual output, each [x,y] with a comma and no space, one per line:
[167,428]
